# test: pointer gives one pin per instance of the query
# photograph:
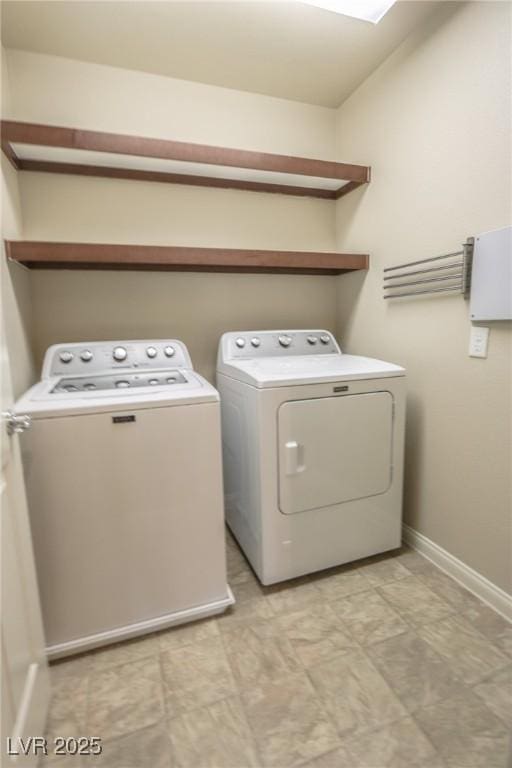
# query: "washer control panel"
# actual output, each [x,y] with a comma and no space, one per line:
[254,344]
[105,356]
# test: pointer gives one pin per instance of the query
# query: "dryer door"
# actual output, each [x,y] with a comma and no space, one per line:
[334,449]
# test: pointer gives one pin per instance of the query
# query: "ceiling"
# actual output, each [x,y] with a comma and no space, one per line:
[285,49]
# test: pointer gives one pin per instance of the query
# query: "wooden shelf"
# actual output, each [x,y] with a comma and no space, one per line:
[55,149]
[39,255]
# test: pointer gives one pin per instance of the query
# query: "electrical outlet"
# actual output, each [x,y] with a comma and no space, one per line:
[478,341]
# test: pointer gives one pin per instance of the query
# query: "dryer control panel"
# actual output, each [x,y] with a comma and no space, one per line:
[86,358]
[255,344]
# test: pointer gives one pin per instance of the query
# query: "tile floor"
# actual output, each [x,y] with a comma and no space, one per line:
[386,663]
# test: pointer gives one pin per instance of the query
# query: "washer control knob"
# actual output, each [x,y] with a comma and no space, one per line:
[255,341]
[66,357]
[151,352]
[285,341]
[312,340]
[153,382]
[325,339]
[240,342]
[169,351]
[122,384]
[86,355]
[119,354]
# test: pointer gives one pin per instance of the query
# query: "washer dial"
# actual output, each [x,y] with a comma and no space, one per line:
[119,354]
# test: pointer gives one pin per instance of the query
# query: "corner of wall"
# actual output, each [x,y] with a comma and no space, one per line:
[16,288]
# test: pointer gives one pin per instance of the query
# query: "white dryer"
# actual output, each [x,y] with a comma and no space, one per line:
[313,444]
[124,479]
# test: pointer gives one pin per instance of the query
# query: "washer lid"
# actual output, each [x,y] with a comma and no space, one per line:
[311,369]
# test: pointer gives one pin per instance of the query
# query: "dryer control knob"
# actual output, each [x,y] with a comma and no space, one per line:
[151,352]
[312,339]
[240,342]
[169,351]
[66,357]
[285,341]
[325,339]
[119,354]
[255,341]
[86,356]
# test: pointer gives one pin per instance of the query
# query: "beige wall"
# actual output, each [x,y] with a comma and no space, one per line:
[62,91]
[434,122]
[16,315]
[195,307]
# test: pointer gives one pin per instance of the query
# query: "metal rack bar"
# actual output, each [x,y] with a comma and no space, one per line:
[424,261]
[431,290]
[429,269]
[427,280]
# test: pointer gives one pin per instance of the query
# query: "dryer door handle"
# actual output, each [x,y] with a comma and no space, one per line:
[294,458]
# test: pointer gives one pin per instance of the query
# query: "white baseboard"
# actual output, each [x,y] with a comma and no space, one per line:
[141,628]
[484,589]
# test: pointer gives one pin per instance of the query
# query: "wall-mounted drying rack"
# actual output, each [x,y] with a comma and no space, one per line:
[453,276]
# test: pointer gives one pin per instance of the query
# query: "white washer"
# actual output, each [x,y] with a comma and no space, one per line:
[124,478]
[313,450]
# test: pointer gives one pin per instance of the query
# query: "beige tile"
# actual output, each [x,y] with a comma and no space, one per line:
[289,723]
[447,588]
[492,625]
[347,581]
[216,736]
[246,612]
[315,633]
[338,758]
[61,761]
[398,745]
[146,748]
[247,590]
[231,542]
[290,595]
[196,675]
[238,568]
[355,693]
[369,618]
[384,570]
[465,732]
[125,652]
[71,666]
[124,698]
[412,560]
[415,601]
[185,634]
[417,674]
[470,655]
[496,692]
[258,653]
[68,704]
